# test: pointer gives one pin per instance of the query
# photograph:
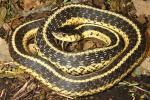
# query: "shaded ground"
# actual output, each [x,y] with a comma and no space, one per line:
[133,88]
[22,86]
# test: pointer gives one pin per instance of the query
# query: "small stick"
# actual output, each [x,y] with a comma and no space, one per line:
[22,89]
[65,96]
[3,94]
[142,89]
[7,63]
[135,86]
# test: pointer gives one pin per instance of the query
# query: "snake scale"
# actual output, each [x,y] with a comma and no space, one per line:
[85,72]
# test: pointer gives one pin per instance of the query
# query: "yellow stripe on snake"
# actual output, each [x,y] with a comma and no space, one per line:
[85,72]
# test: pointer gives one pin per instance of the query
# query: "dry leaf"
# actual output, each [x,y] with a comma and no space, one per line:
[4,52]
[115,5]
[148,38]
[3,12]
[144,68]
[7,27]
[88,45]
[141,19]
[15,23]
[99,3]
[30,4]
[142,7]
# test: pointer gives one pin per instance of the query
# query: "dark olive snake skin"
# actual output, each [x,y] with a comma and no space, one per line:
[86,72]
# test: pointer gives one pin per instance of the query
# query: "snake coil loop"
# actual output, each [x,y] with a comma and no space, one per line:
[86,72]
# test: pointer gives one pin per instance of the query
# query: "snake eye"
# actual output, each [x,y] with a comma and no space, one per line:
[61,34]
[91,33]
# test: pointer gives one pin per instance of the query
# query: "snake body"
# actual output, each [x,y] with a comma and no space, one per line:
[86,72]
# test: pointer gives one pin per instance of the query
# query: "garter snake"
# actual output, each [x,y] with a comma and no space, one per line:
[79,73]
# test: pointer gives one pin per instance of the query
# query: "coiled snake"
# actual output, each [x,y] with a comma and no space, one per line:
[79,73]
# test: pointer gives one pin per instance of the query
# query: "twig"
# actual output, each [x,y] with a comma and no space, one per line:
[7,63]
[2,95]
[142,89]
[21,90]
[68,97]
[134,85]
